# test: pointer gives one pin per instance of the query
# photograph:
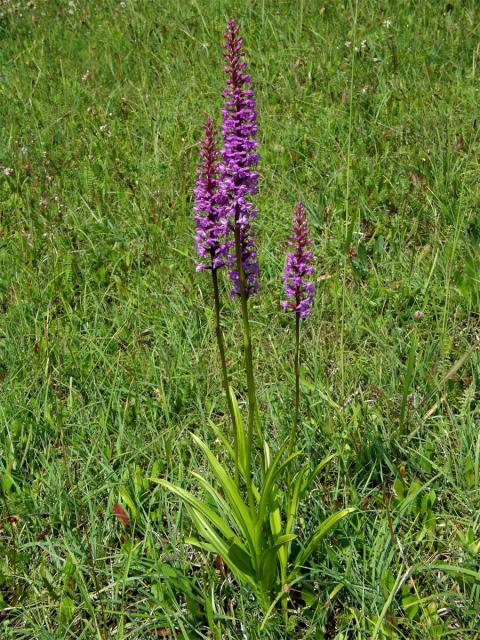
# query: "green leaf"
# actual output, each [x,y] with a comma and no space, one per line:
[207,532]
[128,500]
[268,565]
[427,501]
[268,568]
[201,507]
[201,544]
[284,539]
[294,499]
[309,595]
[399,488]
[274,470]
[456,570]
[232,496]
[223,439]
[267,455]
[222,505]
[238,555]
[7,482]
[319,534]
[229,449]
[48,582]
[240,433]
[66,610]
[276,529]
[315,473]
[215,544]
[410,605]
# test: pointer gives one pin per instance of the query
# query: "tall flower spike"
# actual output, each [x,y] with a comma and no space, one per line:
[238,178]
[212,225]
[299,266]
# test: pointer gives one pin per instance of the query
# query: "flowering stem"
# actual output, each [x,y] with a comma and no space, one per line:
[293,434]
[221,350]
[299,290]
[247,347]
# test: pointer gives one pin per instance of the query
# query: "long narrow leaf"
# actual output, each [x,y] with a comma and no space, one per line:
[239,509]
[197,504]
[238,555]
[267,455]
[229,449]
[293,502]
[315,472]
[276,529]
[242,451]
[223,506]
[272,474]
[230,551]
[275,516]
[268,567]
[318,536]
[208,533]
[223,439]
[215,544]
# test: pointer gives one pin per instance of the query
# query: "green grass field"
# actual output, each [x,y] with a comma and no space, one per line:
[370,113]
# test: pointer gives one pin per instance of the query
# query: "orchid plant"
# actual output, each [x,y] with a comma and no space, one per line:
[249,517]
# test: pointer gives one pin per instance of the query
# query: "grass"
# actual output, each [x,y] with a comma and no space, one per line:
[369,112]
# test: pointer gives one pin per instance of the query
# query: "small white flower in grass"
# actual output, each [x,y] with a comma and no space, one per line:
[9,171]
[387,24]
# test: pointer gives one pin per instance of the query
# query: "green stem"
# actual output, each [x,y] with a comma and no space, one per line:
[293,434]
[221,350]
[247,348]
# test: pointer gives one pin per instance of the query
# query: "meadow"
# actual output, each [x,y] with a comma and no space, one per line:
[369,112]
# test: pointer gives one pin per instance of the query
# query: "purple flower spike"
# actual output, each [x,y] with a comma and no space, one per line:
[298,289]
[238,179]
[212,225]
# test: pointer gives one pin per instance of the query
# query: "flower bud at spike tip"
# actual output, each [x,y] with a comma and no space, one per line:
[212,225]
[299,266]
[238,178]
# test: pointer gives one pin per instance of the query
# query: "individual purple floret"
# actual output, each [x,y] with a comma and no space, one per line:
[238,179]
[212,225]
[299,290]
